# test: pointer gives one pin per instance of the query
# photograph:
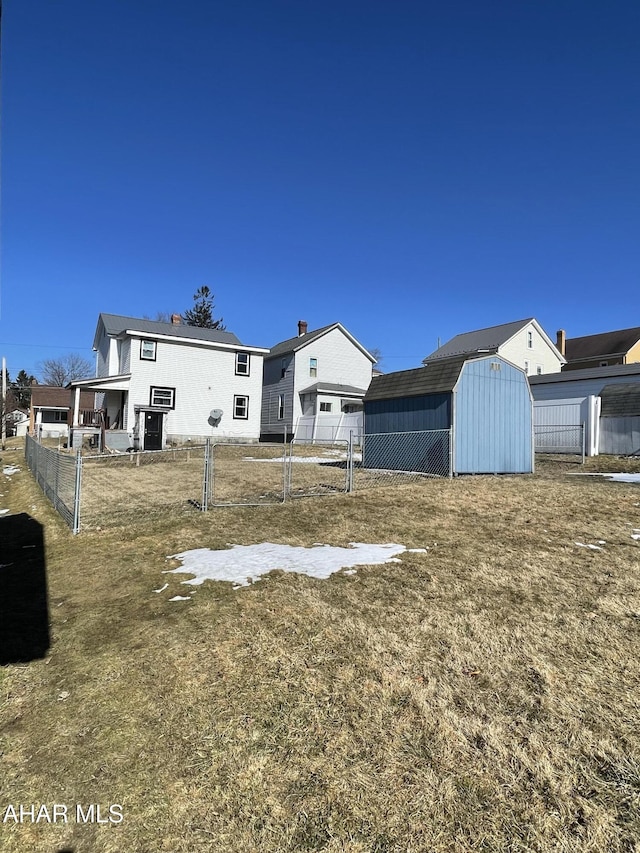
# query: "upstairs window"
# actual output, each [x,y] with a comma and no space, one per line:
[529,340]
[242,364]
[148,350]
[313,367]
[281,407]
[283,368]
[326,407]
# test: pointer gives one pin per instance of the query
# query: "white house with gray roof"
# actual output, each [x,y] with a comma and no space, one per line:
[167,383]
[314,384]
[523,342]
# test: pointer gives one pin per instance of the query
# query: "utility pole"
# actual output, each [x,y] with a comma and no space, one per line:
[4,398]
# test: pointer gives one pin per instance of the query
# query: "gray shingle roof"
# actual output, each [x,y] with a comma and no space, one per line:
[115,324]
[586,373]
[599,346]
[333,388]
[292,344]
[479,341]
[439,377]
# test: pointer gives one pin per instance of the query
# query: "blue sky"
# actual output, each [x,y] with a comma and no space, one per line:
[411,169]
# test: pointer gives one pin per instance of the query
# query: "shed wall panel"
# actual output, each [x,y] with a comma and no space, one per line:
[408,414]
[493,419]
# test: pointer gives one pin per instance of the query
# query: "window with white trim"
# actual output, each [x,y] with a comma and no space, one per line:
[280,407]
[526,367]
[326,407]
[241,406]
[529,340]
[539,370]
[242,363]
[148,350]
[165,397]
[313,367]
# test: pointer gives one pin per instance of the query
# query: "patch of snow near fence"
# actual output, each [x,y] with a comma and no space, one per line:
[242,564]
[620,478]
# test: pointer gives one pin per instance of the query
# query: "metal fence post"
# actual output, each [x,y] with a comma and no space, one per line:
[77,493]
[583,442]
[206,476]
[350,463]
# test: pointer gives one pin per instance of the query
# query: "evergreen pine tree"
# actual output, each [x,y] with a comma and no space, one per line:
[202,312]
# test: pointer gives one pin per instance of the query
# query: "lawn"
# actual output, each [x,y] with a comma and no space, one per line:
[480,695]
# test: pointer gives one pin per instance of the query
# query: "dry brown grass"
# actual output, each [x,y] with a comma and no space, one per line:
[481,696]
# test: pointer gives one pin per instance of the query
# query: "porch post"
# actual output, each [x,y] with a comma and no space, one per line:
[76,407]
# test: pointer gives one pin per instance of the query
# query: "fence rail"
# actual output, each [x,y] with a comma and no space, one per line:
[97,491]
[560,438]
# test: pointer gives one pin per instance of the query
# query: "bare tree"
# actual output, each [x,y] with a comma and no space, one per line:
[60,371]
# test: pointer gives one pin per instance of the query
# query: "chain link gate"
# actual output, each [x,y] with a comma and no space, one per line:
[318,468]
[244,475]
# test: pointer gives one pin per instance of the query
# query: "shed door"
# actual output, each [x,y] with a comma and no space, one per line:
[153,430]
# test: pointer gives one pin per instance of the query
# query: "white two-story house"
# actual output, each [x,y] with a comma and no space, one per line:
[523,342]
[159,384]
[314,385]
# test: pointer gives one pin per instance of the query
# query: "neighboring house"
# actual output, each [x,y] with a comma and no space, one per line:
[602,399]
[51,410]
[603,350]
[484,401]
[160,384]
[17,422]
[523,343]
[314,385]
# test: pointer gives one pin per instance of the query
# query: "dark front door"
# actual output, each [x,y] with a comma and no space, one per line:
[153,430]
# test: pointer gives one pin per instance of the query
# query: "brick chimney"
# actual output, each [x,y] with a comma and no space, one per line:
[561,341]
[176,320]
[302,328]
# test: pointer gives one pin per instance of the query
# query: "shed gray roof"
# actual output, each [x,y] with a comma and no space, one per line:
[620,400]
[599,346]
[115,325]
[485,341]
[439,377]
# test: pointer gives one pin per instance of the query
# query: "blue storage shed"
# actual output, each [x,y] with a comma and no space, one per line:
[484,401]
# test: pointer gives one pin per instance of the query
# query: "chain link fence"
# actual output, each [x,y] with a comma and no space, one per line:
[560,438]
[400,457]
[95,491]
[118,489]
[58,476]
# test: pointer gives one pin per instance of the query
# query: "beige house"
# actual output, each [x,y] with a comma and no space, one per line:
[522,342]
